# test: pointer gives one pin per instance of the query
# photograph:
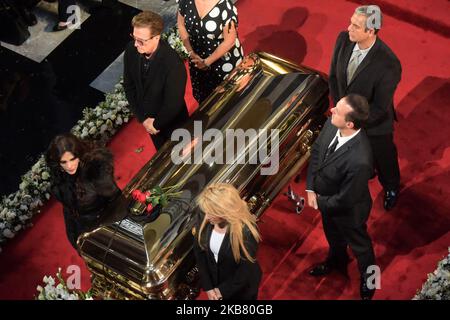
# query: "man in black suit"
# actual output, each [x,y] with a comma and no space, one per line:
[365,65]
[337,184]
[154,79]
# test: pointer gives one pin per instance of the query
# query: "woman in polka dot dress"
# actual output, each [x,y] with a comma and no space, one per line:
[208,29]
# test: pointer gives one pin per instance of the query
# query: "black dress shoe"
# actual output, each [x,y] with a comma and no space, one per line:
[364,291]
[321,269]
[390,199]
[327,266]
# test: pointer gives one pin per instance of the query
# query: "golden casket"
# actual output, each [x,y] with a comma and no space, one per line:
[134,257]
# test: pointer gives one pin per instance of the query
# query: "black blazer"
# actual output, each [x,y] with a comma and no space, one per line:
[376,78]
[162,95]
[341,181]
[234,280]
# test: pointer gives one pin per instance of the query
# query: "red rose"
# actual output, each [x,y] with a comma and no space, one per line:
[138,195]
[149,207]
[142,198]
[135,194]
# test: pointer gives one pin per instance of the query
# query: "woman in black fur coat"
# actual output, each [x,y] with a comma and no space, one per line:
[82,180]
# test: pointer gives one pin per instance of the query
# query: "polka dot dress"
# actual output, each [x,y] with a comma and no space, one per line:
[205,35]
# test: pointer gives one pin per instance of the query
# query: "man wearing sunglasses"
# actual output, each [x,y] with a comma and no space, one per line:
[154,79]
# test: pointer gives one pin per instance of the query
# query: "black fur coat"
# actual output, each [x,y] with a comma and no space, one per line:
[90,190]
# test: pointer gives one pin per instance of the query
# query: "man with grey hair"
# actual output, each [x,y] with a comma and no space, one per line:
[365,65]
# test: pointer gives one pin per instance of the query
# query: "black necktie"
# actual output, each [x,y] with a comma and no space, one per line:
[332,147]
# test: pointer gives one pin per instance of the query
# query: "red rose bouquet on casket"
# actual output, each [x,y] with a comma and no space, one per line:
[147,200]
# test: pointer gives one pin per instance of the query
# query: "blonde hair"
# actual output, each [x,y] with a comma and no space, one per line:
[148,19]
[222,200]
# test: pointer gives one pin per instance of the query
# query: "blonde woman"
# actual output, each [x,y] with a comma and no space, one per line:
[225,245]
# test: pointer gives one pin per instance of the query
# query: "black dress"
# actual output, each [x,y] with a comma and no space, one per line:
[205,35]
[86,194]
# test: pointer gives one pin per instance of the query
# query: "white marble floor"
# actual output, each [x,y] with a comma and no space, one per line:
[42,40]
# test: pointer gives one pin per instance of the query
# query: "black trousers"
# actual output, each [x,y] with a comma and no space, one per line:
[386,161]
[63,15]
[159,139]
[340,235]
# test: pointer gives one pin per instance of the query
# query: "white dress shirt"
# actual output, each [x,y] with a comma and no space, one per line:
[342,140]
[215,242]
[363,52]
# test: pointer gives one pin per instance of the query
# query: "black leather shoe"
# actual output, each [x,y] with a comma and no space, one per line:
[390,199]
[321,269]
[364,291]
[327,266]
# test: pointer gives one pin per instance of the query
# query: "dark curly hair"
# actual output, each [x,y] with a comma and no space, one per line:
[66,142]
[61,144]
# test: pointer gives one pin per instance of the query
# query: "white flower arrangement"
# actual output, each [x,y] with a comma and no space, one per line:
[101,122]
[17,209]
[437,287]
[60,291]
[174,40]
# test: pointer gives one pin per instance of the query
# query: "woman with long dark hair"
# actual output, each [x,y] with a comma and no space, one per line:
[82,180]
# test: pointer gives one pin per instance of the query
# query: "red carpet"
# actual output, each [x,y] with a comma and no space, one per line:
[408,241]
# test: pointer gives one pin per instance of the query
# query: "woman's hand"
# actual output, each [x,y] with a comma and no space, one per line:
[194,56]
[229,40]
[199,62]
